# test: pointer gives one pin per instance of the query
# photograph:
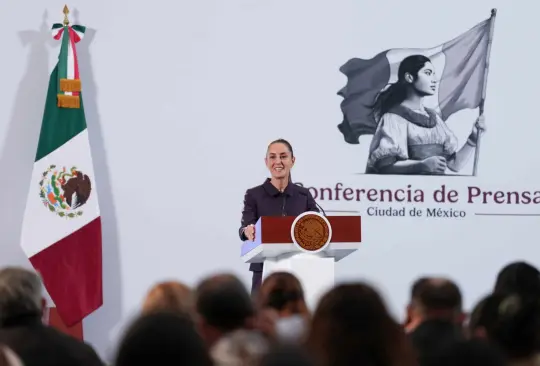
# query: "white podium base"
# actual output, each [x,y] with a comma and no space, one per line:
[315,272]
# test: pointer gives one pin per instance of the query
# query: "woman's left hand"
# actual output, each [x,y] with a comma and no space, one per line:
[479,127]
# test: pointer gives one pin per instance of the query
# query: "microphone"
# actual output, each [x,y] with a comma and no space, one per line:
[318,206]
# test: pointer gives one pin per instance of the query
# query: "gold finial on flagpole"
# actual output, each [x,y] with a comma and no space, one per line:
[66,12]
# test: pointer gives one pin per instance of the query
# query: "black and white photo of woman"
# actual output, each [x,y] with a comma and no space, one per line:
[411,138]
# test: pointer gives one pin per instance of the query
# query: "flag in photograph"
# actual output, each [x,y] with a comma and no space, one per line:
[461,64]
[61,232]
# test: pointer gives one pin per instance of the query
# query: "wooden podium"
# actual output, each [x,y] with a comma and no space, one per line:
[307,245]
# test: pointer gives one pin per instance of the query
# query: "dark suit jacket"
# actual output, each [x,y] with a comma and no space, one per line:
[39,345]
[267,200]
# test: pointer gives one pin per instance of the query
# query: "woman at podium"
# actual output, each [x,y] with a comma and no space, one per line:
[277,196]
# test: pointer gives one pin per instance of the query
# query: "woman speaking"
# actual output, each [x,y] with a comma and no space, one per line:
[277,196]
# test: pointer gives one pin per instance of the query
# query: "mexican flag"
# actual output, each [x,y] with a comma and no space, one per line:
[61,232]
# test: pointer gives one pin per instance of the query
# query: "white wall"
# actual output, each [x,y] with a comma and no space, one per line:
[182,98]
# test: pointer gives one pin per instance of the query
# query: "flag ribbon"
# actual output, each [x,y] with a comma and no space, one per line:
[69,83]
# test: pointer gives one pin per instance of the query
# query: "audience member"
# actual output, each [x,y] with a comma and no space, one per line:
[434,299]
[412,319]
[512,324]
[225,315]
[436,315]
[162,338]
[351,326]
[169,296]
[219,323]
[22,330]
[281,297]
[172,296]
[519,278]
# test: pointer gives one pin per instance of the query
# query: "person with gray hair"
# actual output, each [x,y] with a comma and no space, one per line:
[20,294]
[22,329]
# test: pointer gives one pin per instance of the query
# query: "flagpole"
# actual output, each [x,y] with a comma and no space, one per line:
[66,12]
[484,88]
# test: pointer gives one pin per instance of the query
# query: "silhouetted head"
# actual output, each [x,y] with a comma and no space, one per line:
[351,326]
[171,296]
[20,294]
[283,292]
[434,298]
[518,278]
[510,322]
[223,305]
[162,339]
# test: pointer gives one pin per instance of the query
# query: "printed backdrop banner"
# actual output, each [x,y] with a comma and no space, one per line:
[462,62]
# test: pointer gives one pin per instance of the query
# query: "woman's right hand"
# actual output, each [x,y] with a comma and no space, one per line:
[434,164]
[249,232]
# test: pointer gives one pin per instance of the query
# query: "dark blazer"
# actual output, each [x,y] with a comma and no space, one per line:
[39,345]
[267,200]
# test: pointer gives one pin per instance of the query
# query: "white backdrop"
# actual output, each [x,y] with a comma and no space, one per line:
[182,98]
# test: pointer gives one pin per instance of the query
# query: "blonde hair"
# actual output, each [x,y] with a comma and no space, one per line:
[169,296]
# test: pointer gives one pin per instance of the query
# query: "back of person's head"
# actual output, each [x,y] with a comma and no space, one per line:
[223,302]
[511,322]
[438,294]
[162,339]
[20,294]
[518,278]
[351,325]
[466,353]
[484,313]
[436,298]
[170,296]
[283,292]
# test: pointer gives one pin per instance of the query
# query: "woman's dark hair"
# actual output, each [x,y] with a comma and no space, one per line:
[520,278]
[224,303]
[289,147]
[352,326]
[162,339]
[397,92]
[282,290]
[511,322]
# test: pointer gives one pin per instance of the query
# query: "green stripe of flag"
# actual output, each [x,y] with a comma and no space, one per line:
[59,125]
